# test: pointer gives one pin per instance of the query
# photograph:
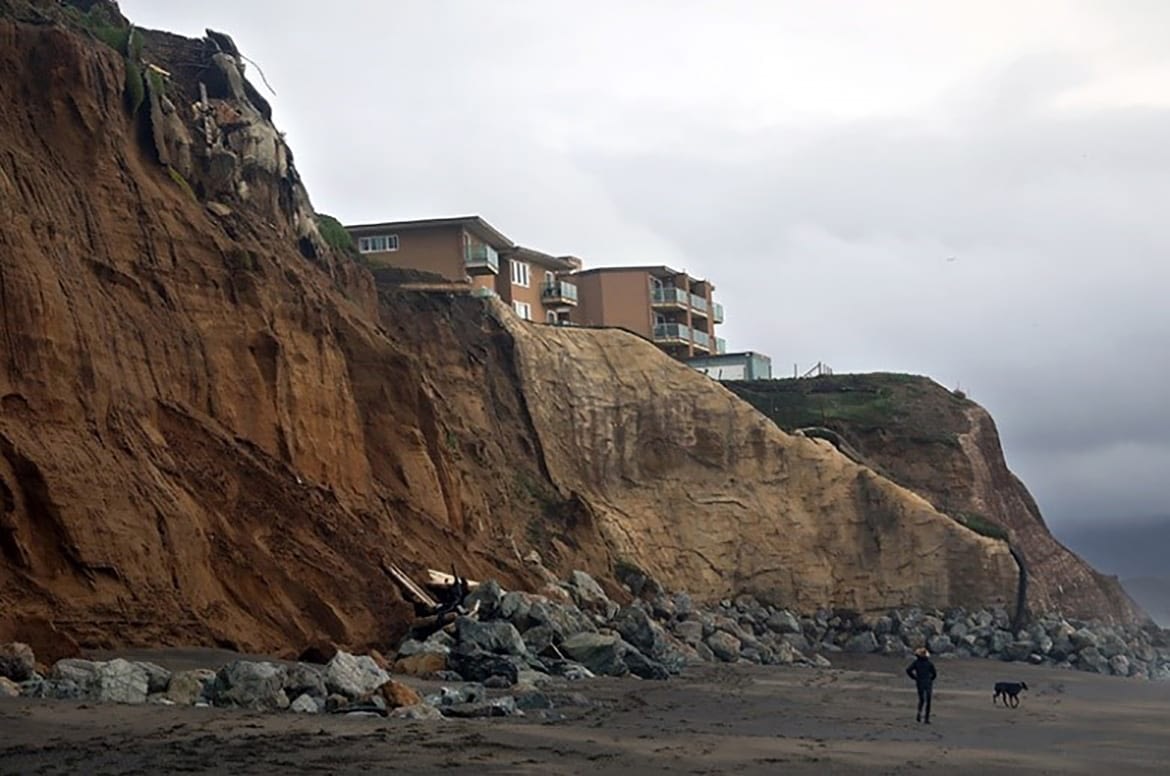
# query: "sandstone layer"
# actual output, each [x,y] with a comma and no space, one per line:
[946,448]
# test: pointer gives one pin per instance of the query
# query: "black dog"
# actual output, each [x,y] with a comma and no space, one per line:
[1010,692]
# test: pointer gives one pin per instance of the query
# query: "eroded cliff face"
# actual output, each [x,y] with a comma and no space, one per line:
[216,430]
[945,448]
[693,485]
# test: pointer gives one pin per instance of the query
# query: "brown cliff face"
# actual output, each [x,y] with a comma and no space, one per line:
[214,431]
[945,448]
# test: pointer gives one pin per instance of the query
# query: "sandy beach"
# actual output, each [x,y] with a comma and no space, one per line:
[855,717]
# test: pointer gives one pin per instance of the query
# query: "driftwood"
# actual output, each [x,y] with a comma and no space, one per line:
[412,590]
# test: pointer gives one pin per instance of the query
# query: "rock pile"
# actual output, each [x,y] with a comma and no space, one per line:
[1132,651]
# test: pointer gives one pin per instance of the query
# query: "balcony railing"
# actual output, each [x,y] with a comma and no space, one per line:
[672,332]
[718,313]
[668,295]
[481,259]
[720,345]
[559,292]
[701,339]
[699,303]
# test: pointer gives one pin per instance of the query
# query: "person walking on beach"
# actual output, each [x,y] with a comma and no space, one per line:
[923,673]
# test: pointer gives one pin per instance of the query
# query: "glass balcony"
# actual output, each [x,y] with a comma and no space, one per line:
[559,292]
[672,332]
[720,345]
[699,303]
[718,313]
[668,296]
[701,339]
[481,259]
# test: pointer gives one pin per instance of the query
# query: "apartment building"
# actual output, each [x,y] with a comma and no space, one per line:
[470,249]
[537,285]
[669,307]
[464,248]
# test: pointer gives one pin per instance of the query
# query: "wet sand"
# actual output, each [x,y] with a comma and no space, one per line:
[857,717]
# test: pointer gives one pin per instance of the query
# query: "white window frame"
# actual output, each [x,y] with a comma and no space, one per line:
[552,317]
[521,274]
[523,309]
[378,243]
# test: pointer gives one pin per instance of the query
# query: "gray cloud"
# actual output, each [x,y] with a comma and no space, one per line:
[973,193]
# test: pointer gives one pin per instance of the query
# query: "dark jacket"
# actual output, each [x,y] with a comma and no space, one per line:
[922,672]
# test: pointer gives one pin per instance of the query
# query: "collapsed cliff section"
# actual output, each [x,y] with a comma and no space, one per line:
[692,485]
[946,448]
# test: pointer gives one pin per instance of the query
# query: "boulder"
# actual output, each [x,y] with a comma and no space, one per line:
[419,711]
[515,606]
[640,665]
[9,688]
[411,647]
[83,673]
[690,631]
[499,637]
[783,621]
[476,665]
[570,671]
[862,643]
[1018,650]
[450,696]
[487,596]
[422,664]
[539,638]
[1000,639]
[600,653]
[497,707]
[353,675]
[940,645]
[725,646]
[306,704]
[892,645]
[933,626]
[397,694]
[589,595]
[1090,659]
[564,619]
[250,685]
[305,679]
[188,687]
[120,681]
[1084,638]
[533,699]
[55,689]
[157,677]
[17,661]
[636,627]
[1119,665]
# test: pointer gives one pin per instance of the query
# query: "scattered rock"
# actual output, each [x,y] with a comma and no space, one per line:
[17,661]
[353,675]
[251,685]
[497,707]
[599,653]
[188,687]
[422,664]
[475,665]
[305,704]
[419,711]
[862,643]
[499,637]
[120,681]
[9,688]
[725,646]
[305,679]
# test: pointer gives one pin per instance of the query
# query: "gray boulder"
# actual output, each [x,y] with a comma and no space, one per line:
[412,647]
[157,677]
[892,645]
[497,707]
[640,665]
[1000,639]
[1119,665]
[251,685]
[487,596]
[600,653]
[1018,650]
[539,639]
[9,688]
[783,621]
[565,621]
[690,631]
[476,665]
[1091,659]
[1084,638]
[307,704]
[354,675]
[120,681]
[305,679]
[17,661]
[636,627]
[725,646]
[186,688]
[940,645]
[420,711]
[862,643]
[499,637]
[54,689]
[589,595]
[83,673]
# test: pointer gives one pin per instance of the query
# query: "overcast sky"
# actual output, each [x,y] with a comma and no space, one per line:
[976,191]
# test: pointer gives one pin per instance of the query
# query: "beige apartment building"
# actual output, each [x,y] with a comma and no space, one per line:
[671,308]
[469,249]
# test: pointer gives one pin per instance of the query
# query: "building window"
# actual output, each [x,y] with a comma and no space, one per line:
[523,309]
[519,274]
[552,316]
[378,243]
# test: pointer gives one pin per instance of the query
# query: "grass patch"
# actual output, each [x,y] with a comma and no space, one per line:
[981,525]
[334,234]
[181,182]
